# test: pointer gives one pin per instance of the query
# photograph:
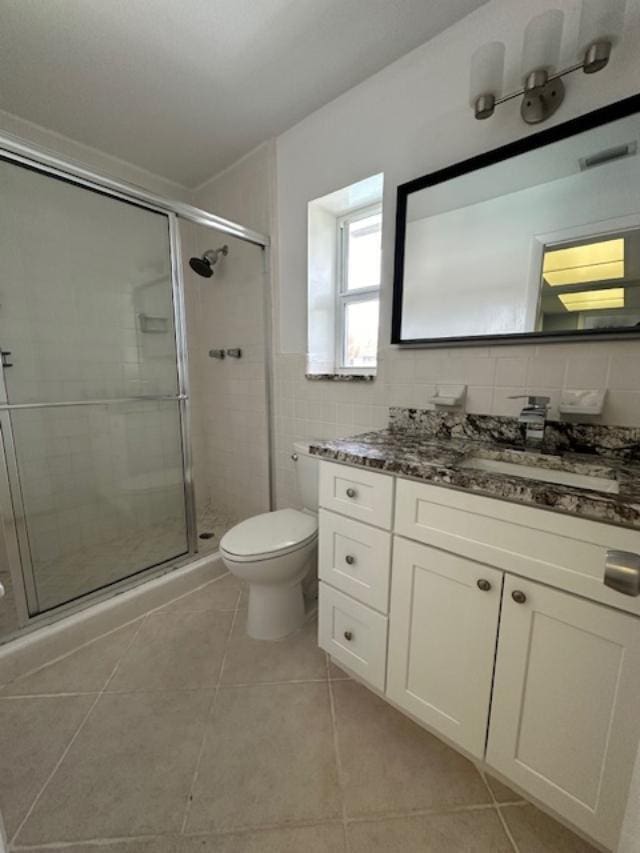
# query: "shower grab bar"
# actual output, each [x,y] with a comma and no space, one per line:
[58,404]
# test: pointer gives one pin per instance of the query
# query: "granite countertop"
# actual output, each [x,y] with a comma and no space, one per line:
[434,448]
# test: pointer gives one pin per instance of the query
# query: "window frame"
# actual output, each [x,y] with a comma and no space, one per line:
[345,297]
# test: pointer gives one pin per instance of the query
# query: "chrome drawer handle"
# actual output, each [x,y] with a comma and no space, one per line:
[351,493]
[349,560]
[484,585]
[518,596]
[622,572]
[348,636]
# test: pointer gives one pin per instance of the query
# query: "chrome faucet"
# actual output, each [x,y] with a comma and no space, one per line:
[533,416]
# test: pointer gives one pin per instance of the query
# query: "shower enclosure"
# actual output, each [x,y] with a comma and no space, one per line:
[94,400]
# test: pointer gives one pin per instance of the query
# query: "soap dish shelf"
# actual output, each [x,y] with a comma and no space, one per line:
[582,402]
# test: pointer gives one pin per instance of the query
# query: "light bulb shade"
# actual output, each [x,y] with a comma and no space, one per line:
[542,39]
[601,20]
[487,71]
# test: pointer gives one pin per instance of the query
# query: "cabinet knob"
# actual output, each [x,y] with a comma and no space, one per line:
[351,492]
[518,596]
[349,560]
[348,636]
[484,585]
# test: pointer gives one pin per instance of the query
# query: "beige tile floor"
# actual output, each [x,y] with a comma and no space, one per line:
[178,734]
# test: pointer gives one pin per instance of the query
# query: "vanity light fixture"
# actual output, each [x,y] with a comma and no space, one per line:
[543,91]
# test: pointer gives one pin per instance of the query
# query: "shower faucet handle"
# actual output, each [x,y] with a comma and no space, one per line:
[234,352]
[217,353]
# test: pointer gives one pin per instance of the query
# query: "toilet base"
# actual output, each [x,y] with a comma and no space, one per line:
[274,611]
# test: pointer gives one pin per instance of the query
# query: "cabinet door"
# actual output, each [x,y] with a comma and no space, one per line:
[442,639]
[564,721]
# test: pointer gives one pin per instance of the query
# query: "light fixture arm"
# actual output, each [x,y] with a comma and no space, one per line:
[540,97]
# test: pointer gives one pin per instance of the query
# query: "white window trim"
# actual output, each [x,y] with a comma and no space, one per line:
[345,297]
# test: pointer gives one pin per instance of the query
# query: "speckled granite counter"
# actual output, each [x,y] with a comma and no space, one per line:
[436,448]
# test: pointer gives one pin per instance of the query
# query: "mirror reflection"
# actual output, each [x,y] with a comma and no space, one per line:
[544,243]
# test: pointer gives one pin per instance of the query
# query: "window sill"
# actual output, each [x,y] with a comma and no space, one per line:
[340,377]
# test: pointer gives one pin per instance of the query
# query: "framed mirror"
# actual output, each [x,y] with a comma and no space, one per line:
[539,239]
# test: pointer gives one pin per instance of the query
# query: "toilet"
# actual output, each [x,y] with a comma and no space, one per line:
[273,552]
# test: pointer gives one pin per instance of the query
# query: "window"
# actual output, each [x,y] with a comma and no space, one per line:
[343,281]
[358,288]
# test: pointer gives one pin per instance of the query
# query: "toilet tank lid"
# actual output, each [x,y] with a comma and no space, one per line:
[270,532]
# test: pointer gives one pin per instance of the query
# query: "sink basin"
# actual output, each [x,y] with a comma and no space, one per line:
[545,475]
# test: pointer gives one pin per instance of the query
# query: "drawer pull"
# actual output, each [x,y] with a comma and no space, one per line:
[518,596]
[349,560]
[484,585]
[348,636]
[622,572]
[351,492]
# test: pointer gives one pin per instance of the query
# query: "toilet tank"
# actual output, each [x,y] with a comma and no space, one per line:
[306,475]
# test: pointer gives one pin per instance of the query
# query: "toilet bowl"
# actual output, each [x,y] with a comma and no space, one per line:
[273,552]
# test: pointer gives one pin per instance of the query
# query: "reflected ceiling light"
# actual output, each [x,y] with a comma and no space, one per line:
[601,261]
[601,24]
[593,300]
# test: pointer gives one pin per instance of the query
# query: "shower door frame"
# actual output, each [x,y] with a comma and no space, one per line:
[11,501]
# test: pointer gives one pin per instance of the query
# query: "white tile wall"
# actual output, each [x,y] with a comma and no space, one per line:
[229,398]
[318,409]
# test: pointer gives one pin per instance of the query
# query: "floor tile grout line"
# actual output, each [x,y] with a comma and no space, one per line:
[72,651]
[114,630]
[336,749]
[208,716]
[437,811]
[498,811]
[16,697]
[223,833]
[379,817]
[74,737]
[507,829]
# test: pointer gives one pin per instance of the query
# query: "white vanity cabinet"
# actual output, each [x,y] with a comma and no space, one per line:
[489,623]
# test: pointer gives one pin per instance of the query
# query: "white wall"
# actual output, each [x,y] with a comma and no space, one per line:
[408,120]
[87,157]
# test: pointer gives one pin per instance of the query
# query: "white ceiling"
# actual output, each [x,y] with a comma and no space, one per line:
[184,88]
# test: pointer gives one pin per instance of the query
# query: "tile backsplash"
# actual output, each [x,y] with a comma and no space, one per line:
[408,378]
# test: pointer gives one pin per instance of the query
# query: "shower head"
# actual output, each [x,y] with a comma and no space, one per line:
[205,264]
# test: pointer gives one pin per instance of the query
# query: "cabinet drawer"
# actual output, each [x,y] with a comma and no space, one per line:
[360,494]
[554,548]
[353,634]
[355,558]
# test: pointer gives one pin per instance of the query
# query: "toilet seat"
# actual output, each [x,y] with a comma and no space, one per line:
[269,535]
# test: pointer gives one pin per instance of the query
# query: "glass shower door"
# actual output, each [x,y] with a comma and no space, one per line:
[92,410]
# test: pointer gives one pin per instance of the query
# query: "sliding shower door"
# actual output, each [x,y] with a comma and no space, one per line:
[92,409]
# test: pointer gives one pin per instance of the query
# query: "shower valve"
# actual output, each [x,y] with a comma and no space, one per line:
[216,353]
[236,352]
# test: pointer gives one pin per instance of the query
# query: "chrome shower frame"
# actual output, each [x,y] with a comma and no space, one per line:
[11,504]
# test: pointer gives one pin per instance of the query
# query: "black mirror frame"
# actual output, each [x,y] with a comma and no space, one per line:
[596,118]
